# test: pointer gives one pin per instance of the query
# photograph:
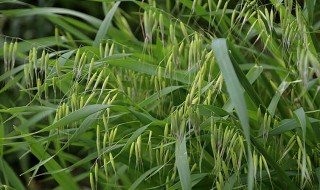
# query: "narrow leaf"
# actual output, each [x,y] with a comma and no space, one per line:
[105,25]
[142,177]
[183,164]
[235,91]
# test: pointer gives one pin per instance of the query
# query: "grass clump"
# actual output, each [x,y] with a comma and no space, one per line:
[211,95]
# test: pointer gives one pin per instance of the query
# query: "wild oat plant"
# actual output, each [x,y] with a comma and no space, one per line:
[214,95]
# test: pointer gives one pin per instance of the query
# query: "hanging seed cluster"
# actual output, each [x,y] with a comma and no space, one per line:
[9,55]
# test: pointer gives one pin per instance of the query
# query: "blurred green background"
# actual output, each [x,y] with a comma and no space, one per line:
[35,26]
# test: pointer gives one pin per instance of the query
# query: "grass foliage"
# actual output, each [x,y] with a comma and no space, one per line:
[215,95]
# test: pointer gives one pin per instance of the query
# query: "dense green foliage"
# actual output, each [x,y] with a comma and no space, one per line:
[162,95]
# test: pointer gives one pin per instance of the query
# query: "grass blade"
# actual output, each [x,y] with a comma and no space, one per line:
[288,125]
[150,69]
[275,99]
[157,95]
[65,180]
[287,183]
[51,11]
[10,175]
[72,117]
[142,177]
[183,164]
[235,91]
[105,25]
[302,120]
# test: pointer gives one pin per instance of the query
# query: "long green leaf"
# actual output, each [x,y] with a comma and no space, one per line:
[27,109]
[142,177]
[235,91]
[72,117]
[10,175]
[288,125]
[195,179]
[238,58]
[287,183]
[79,131]
[209,110]
[51,11]
[275,99]
[76,32]
[303,121]
[157,95]
[149,69]
[64,179]
[105,25]
[10,73]
[183,164]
